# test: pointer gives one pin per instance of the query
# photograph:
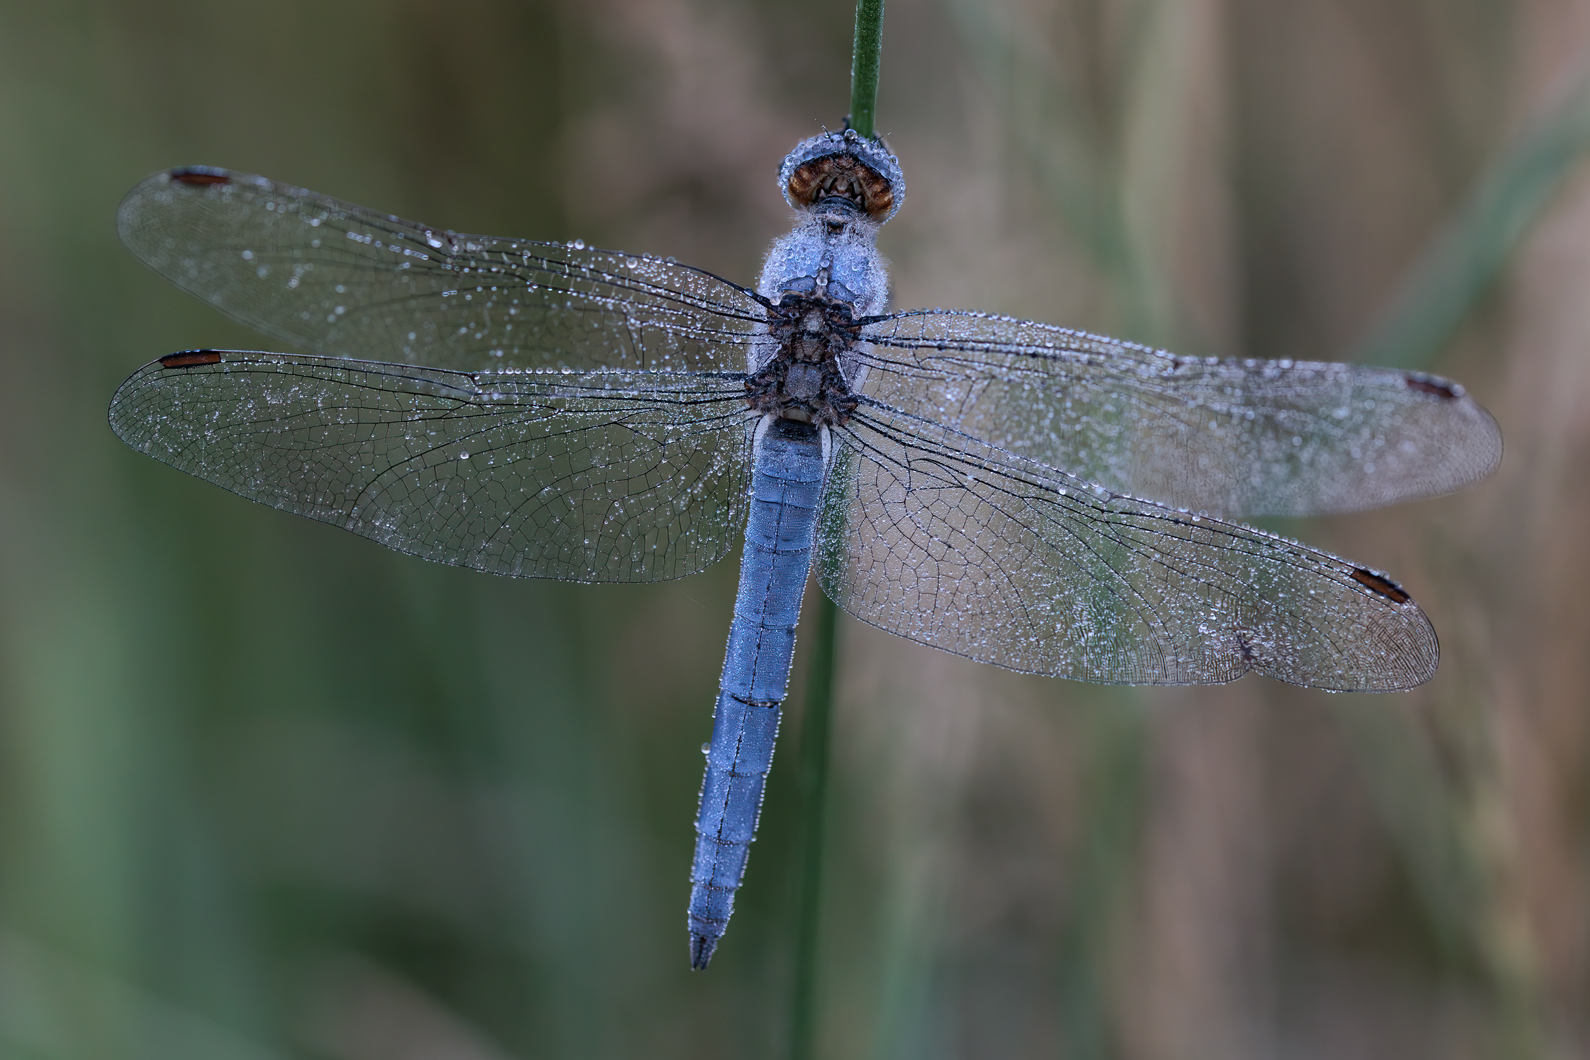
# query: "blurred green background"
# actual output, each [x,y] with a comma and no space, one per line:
[270,791]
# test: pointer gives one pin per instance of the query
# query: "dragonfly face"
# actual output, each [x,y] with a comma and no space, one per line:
[1013,492]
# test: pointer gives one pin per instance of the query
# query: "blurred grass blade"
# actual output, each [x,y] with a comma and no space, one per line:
[104,1015]
[1461,262]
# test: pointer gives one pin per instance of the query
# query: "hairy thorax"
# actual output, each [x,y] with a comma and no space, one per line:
[806,379]
[824,279]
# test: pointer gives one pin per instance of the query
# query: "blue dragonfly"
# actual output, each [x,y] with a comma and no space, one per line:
[1026,495]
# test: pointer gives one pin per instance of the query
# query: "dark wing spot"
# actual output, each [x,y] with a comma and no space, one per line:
[1435,387]
[190,358]
[1382,585]
[200,177]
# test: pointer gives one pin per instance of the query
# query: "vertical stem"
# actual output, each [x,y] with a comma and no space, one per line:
[866,52]
[815,729]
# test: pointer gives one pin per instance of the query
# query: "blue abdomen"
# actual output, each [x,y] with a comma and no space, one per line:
[786,484]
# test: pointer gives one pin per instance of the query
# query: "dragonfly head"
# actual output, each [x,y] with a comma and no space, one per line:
[843,167]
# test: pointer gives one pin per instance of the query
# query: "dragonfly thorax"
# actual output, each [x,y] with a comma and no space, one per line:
[831,253]
[805,379]
[823,279]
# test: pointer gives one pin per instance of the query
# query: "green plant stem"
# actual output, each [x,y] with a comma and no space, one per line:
[866,53]
[815,729]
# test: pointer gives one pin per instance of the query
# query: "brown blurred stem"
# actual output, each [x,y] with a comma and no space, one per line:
[1459,265]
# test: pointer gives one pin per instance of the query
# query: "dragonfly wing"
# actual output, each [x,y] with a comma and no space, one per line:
[343,280]
[951,542]
[584,476]
[1231,437]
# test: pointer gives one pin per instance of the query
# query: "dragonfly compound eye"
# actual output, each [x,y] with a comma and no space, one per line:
[847,166]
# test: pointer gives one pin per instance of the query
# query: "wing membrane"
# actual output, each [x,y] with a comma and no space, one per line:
[343,280]
[1232,437]
[610,476]
[951,542]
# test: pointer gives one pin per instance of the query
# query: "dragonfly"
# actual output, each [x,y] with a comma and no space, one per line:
[1039,498]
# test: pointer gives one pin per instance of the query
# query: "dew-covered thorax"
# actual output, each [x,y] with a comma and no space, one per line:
[824,277]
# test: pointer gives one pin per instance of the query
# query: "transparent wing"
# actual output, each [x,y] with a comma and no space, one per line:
[346,281]
[1232,437]
[951,542]
[610,476]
